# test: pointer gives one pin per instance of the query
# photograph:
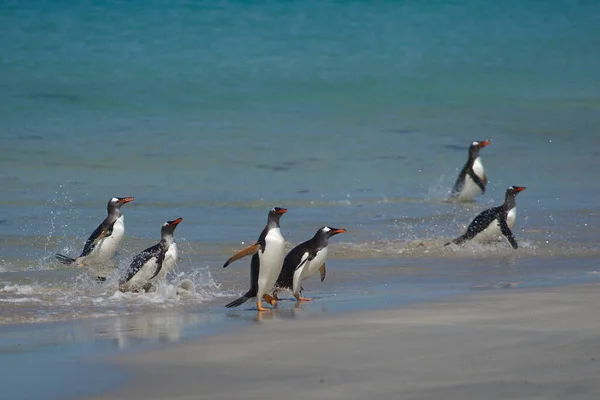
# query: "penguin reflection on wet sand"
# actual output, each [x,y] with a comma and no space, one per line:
[304,260]
[154,263]
[472,179]
[493,223]
[104,241]
[267,259]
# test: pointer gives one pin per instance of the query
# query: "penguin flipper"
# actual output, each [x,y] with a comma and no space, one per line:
[250,250]
[64,259]
[478,181]
[308,256]
[460,181]
[508,233]
[139,261]
[323,272]
[103,230]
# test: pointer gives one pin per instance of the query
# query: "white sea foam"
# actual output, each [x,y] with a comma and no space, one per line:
[84,297]
[21,300]
[18,289]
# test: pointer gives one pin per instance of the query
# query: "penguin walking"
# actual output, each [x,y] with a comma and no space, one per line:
[267,259]
[472,180]
[494,223]
[104,241]
[154,263]
[304,260]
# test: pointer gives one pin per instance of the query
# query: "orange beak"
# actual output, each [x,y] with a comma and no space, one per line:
[124,200]
[519,188]
[281,210]
[485,143]
[336,231]
[175,222]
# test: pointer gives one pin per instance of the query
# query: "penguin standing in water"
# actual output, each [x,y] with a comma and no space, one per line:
[472,180]
[104,241]
[267,258]
[304,260]
[494,223]
[154,263]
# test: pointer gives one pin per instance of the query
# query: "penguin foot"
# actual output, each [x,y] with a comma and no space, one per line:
[270,299]
[259,305]
[300,298]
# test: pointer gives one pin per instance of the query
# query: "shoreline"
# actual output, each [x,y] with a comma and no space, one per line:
[523,343]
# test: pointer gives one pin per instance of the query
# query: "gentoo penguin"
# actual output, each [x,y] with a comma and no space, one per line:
[103,242]
[494,223]
[304,260]
[472,180]
[154,263]
[267,258]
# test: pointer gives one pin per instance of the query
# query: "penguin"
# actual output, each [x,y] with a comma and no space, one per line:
[104,241]
[494,223]
[267,259]
[472,180]
[154,263]
[304,260]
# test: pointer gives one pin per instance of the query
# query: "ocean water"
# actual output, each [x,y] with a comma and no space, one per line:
[351,114]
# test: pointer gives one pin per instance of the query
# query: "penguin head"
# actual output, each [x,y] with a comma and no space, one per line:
[275,213]
[514,190]
[328,231]
[116,202]
[169,226]
[476,146]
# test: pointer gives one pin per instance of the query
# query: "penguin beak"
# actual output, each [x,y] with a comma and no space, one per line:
[124,200]
[175,222]
[336,231]
[519,188]
[281,211]
[484,143]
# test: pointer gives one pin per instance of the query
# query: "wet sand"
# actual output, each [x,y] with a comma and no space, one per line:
[526,344]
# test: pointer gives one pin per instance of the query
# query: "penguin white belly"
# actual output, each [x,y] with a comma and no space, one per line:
[490,234]
[168,263]
[270,261]
[106,247]
[511,217]
[470,189]
[308,269]
[478,168]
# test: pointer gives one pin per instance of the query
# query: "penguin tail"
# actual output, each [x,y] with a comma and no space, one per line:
[241,300]
[64,259]
[459,240]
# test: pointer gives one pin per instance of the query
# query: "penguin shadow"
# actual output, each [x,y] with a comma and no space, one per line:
[253,315]
[290,309]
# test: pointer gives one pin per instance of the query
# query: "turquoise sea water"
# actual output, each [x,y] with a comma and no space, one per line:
[353,114]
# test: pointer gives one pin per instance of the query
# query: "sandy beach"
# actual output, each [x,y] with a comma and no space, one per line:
[525,344]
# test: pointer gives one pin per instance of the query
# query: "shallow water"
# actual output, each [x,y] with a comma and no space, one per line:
[354,115]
